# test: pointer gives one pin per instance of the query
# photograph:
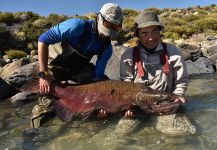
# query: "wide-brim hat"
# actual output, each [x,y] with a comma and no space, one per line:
[146,19]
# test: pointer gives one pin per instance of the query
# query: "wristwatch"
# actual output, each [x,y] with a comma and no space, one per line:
[43,74]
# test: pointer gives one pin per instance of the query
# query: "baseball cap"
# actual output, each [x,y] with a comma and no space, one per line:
[112,13]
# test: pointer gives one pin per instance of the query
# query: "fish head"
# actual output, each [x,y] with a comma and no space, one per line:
[158,103]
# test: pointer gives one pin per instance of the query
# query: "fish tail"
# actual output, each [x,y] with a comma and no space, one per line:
[62,112]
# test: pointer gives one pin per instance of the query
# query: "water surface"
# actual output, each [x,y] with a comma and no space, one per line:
[201,109]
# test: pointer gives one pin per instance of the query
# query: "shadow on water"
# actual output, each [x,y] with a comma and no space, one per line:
[201,108]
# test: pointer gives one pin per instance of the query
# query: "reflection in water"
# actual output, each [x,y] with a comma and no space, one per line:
[201,108]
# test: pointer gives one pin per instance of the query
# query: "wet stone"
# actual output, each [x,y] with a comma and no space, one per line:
[175,124]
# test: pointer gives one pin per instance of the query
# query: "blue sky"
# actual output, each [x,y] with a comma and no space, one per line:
[82,7]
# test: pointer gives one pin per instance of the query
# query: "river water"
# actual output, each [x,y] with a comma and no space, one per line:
[201,109]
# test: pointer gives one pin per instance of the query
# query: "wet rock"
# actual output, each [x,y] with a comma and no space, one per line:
[192,55]
[113,67]
[210,38]
[213,58]
[175,124]
[36,137]
[200,66]
[23,75]
[126,126]
[9,69]
[23,98]
[17,75]
[212,50]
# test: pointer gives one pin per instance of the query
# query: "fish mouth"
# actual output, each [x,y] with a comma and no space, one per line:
[165,107]
[162,102]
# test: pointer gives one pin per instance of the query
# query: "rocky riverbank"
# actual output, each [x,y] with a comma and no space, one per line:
[200,53]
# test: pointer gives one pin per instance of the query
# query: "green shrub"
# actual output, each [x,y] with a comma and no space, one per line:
[128,24]
[176,29]
[189,31]
[32,16]
[172,21]
[205,24]
[92,16]
[165,10]
[12,54]
[215,10]
[171,35]
[41,23]
[31,32]
[213,15]
[201,11]
[81,17]
[191,18]
[156,10]
[54,19]
[130,13]
[7,18]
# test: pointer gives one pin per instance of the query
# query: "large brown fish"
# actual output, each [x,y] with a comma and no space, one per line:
[111,95]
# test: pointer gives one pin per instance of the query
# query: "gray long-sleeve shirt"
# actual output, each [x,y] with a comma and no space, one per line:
[177,79]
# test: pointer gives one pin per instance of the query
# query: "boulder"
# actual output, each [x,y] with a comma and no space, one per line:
[113,67]
[9,69]
[200,66]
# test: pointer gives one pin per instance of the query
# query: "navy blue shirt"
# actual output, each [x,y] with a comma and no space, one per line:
[71,30]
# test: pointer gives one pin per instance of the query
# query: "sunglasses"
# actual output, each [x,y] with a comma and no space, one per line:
[110,25]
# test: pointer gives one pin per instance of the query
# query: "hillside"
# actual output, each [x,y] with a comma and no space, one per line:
[20,30]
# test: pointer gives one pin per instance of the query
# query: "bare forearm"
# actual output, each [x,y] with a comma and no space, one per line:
[42,56]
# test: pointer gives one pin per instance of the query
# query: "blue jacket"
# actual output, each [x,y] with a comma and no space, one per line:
[71,30]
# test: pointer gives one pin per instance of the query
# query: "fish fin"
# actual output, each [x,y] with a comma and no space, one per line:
[90,114]
[94,114]
[62,112]
[135,109]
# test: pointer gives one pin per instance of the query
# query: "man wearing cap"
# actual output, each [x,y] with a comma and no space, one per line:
[79,41]
[152,62]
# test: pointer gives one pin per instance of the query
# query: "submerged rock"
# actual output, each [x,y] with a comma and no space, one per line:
[174,124]
[127,126]
[23,98]
[124,127]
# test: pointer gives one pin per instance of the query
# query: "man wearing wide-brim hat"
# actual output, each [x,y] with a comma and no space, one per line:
[154,63]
